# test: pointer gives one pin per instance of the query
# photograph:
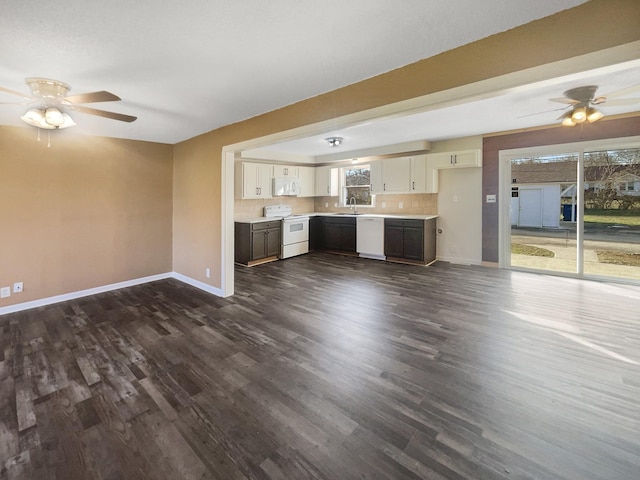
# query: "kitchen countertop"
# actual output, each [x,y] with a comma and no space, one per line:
[407,216]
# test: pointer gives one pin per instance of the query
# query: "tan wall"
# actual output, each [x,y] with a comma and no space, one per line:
[197,239]
[87,212]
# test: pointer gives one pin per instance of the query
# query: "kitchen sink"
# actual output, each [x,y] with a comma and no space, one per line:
[347,213]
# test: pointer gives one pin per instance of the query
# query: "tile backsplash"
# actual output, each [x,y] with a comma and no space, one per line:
[254,208]
[412,203]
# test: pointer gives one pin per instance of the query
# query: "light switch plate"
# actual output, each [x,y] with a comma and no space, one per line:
[5,292]
[491,199]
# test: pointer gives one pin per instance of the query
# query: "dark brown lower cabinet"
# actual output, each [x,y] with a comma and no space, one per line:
[316,233]
[257,241]
[412,240]
[339,234]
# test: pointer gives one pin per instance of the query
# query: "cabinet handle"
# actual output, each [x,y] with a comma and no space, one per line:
[328,189]
[384,186]
[413,185]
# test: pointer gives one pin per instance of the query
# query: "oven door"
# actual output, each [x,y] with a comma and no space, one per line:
[295,237]
[295,230]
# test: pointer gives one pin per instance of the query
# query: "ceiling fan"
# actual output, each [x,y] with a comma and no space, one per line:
[582,101]
[51,101]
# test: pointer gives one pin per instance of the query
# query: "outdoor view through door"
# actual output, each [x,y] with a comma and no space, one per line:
[577,212]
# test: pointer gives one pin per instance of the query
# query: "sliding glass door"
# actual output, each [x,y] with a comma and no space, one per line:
[612,213]
[541,237]
[572,209]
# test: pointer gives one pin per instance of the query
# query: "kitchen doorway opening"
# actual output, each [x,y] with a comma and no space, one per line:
[572,209]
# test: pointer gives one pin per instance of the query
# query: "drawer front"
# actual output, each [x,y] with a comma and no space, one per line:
[341,220]
[266,225]
[397,222]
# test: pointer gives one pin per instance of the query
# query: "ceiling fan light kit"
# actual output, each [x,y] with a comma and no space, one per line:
[581,99]
[49,119]
[581,115]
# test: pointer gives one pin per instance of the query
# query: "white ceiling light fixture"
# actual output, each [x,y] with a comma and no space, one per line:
[334,141]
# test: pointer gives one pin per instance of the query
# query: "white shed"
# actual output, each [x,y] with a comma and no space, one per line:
[535,205]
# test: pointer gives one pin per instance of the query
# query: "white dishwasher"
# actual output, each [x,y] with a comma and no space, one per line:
[370,237]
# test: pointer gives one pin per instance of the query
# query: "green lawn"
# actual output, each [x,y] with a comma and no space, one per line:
[613,217]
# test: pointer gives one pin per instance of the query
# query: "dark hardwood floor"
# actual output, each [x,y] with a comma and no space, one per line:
[328,367]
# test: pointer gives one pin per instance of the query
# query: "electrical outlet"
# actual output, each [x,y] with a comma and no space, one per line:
[384,204]
[326,204]
[207,272]
[401,205]
[17,287]
[5,292]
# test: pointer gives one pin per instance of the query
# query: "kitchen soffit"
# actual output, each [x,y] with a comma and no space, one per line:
[526,106]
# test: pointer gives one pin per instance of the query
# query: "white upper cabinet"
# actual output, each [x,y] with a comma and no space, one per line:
[465,158]
[375,175]
[419,174]
[286,171]
[396,175]
[253,180]
[459,159]
[399,175]
[307,178]
[326,182]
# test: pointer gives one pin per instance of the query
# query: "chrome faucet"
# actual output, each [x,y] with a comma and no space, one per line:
[352,204]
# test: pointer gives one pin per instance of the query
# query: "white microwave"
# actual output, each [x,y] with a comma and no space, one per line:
[286,187]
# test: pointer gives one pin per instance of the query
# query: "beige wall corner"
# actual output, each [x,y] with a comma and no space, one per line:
[86,212]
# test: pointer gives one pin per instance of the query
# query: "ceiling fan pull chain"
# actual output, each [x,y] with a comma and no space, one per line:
[38,137]
[48,138]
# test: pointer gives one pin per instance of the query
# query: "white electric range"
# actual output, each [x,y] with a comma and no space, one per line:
[295,230]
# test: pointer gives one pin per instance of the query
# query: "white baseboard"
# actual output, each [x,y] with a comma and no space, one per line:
[460,261]
[107,288]
[197,283]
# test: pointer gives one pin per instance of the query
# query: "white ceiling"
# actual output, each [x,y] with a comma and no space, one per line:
[516,108]
[187,68]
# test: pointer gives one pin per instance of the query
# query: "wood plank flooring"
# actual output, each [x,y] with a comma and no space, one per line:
[328,367]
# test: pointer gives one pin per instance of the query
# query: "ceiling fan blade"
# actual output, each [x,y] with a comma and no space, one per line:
[13,92]
[544,111]
[623,91]
[103,113]
[570,101]
[622,101]
[93,97]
